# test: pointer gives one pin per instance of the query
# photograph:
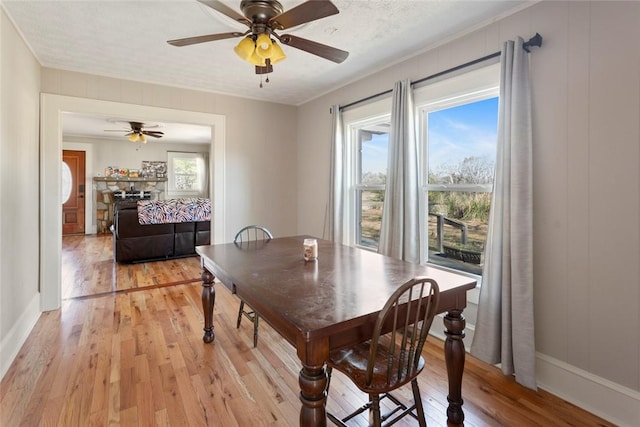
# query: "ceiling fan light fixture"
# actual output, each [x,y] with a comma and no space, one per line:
[264,18]
[277,54]
[134,137]
[264,46]
[245,49]
[257,60]
[143,139]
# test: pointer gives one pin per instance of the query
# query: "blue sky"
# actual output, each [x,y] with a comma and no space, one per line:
[454,133]
[463,131]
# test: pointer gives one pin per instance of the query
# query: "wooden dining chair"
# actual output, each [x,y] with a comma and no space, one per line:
[248,234]
[393,356]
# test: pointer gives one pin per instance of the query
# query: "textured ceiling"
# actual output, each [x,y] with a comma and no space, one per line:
[127,39]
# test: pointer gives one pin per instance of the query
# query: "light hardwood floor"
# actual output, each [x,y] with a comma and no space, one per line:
[88,268]
[130,353]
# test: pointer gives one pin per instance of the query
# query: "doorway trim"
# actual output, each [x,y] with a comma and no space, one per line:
[51,108]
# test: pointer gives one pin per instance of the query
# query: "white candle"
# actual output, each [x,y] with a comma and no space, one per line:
[310,249]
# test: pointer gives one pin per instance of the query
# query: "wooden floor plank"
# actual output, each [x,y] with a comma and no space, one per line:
[127,355]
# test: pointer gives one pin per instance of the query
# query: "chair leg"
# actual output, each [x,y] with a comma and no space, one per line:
[240,313]
[255,330]
[418,403]
[329,370]
[375,410]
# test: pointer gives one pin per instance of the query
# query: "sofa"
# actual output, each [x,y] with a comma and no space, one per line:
[136,242]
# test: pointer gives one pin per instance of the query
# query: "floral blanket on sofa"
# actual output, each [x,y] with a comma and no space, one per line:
[173,210]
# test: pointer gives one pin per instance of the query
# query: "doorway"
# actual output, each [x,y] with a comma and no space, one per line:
[73,191]
[52,107]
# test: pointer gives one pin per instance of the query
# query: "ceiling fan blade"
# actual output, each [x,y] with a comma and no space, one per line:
[153,133]
[226,10]
[315,48]
[303,13]
[202,39]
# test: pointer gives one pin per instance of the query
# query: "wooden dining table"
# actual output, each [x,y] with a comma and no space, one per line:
[329,303]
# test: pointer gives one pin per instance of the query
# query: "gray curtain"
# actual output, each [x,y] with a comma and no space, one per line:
[335,208]
[505,326]
[399,233]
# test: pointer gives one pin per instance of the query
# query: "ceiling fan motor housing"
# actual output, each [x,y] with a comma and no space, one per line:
[260,11]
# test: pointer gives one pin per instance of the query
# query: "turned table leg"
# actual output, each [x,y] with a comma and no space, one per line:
[208,300]
[313,384]
[454,355]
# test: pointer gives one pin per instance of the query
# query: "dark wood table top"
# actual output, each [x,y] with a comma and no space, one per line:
[343,288]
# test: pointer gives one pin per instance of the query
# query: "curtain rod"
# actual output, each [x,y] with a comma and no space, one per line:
[535,41]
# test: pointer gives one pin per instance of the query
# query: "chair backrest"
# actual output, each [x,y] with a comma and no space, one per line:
[401,331]
[252,233]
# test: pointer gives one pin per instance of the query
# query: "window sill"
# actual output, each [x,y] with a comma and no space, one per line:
[473,296]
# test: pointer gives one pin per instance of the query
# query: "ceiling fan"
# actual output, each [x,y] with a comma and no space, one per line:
[264,18]
[138,132]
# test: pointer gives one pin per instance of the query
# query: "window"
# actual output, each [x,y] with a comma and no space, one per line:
[461,146]
[187,174]
[67,183]
[372,146]
[457,135]
[365,171]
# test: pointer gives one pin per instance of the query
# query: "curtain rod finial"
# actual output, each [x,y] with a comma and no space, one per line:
[535,41]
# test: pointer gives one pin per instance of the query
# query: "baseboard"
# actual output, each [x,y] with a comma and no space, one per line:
[604,398]
[13,341]
[601,397]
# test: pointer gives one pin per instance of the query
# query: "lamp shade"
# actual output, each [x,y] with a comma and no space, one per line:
[264,46]
[143,139]
[245,49]
[257,60]
[277,54]
[134,137]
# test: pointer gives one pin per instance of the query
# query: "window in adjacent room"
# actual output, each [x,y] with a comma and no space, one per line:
[187,174]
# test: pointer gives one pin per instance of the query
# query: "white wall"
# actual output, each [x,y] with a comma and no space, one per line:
[586,96]
[125,154]
[19,88]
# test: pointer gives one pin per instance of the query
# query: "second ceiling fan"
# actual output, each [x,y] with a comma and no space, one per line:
[139,131]
[264,18]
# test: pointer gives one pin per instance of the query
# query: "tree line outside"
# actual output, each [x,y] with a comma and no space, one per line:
[470,208]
